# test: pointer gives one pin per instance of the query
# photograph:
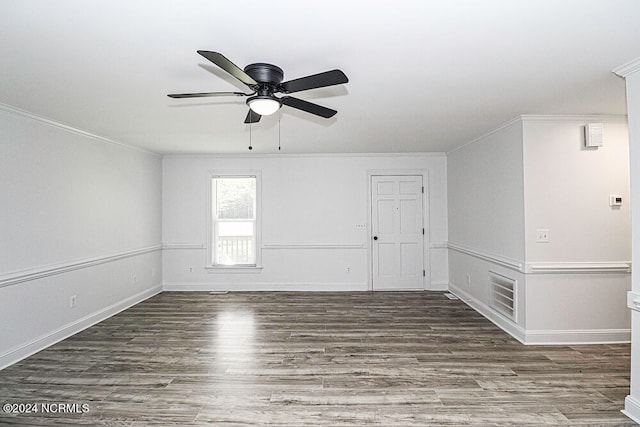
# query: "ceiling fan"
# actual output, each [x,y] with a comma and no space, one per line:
[265,80]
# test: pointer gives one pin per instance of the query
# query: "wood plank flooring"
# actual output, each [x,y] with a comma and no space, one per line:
[315,359]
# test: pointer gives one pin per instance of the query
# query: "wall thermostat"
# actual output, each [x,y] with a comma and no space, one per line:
[615,200]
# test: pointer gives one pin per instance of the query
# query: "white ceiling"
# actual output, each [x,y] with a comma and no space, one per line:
[424,75]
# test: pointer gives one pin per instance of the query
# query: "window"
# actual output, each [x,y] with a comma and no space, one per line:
[234,215]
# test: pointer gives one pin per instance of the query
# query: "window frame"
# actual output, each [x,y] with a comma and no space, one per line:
[211,249]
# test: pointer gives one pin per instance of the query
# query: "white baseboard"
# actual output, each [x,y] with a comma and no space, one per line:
[580,336]
[544,337]
[632,408]
[256,286]
[23,351]
[508,326]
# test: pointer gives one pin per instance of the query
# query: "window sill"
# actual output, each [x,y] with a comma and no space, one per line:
[231,269]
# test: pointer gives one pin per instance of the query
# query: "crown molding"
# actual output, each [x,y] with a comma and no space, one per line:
[301,155]
[543,117]
[500,127]
[574,117]
[67,128]
[627,69]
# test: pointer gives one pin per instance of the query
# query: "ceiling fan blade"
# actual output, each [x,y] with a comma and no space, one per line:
[328,78]
[206,94]
[307,106]
[228,66]
[252,117]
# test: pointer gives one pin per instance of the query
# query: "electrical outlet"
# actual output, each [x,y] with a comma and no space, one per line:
[468,279]
[72,301]
[348,269]
[190,269]
[542,235]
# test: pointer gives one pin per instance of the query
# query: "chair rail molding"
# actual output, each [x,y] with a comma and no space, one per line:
[172,246]
[301,245]
[438,245]
[50,270]
[619,267]
[503,261]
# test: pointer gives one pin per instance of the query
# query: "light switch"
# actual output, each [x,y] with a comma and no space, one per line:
[615,201]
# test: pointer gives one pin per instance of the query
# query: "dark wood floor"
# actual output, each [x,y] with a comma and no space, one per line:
[335,359]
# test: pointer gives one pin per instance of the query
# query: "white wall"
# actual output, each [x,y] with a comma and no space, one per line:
[531,174]
[485,198]
[308,201]
[79,216]
[567,189]
[486,217]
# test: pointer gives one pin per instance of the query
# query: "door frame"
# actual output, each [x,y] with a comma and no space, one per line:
[424,173]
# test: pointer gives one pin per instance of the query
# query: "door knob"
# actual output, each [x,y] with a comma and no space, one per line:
[375,237]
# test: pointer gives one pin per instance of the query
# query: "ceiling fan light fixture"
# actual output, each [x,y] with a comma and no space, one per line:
[264,105]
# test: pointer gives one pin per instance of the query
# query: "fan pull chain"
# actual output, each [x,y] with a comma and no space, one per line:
[279,117]
[250,144]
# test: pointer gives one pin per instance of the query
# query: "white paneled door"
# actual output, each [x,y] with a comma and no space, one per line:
[397,232]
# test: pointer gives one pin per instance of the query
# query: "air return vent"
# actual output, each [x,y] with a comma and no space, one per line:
[502,294]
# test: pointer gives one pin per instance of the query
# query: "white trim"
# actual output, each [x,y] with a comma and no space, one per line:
[292,245]
[578,267]
[627,69]
[539,117]
[264,286]
[633,300]
[497,319]
[172,246]
[438,245]
[575,117]
[25,350]
[632,408]
[314,246]
[50,270]
[71,129]
[302,155]
[209,238]
[500,127]
[578,336]
[503,261]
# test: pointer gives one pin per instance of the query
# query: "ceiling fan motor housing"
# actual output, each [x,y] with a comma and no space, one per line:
[265,73]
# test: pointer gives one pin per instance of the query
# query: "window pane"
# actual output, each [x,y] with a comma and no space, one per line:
[235,243]
[233,228]
[235,198]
